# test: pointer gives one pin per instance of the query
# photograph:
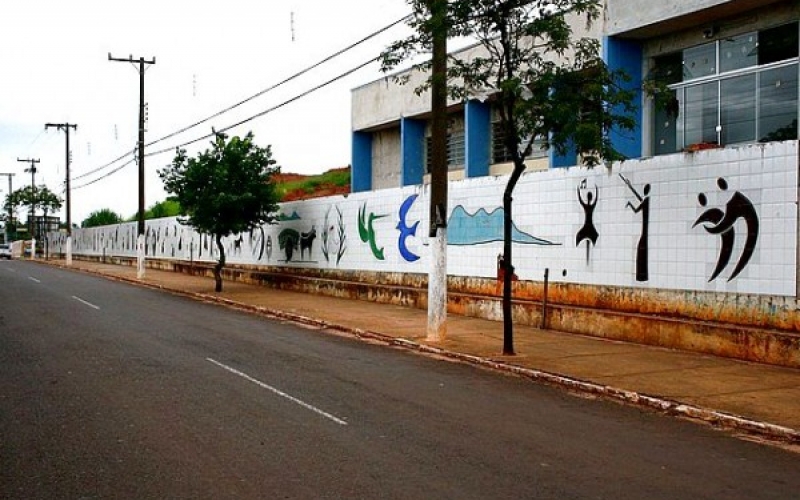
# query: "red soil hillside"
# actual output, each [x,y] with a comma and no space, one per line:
[292,187]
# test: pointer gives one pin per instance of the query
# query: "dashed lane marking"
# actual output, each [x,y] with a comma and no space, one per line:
[278,392]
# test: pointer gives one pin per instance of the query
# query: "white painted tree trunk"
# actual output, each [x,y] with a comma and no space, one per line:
[33,249]
[437,288]
[69,250]
[140,257]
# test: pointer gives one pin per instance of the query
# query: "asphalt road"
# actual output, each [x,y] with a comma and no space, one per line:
[109,390]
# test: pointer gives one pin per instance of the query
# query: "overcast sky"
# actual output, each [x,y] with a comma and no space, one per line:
[209,55]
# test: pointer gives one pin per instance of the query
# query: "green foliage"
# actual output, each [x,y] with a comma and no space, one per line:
[167,208]
[41,197]
[309,184]
[102,217]
[225,190]
[548,85]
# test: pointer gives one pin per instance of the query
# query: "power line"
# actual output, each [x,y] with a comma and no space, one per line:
[244,101]
[107,174]
[282,82]
[269,110]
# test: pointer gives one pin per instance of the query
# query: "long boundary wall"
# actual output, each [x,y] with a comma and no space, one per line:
[709,236]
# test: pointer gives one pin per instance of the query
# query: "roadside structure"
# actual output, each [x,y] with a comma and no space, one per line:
[690,243]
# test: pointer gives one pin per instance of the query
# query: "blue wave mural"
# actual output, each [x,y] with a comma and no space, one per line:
[482,227]
[282,217]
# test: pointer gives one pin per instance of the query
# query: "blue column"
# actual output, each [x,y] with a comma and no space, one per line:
[412,152]
[626,55]
[478,133]
[361,172]
[568,159]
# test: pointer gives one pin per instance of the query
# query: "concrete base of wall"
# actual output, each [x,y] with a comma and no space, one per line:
[751,328]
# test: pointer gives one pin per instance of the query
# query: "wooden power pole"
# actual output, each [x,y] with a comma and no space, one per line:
[140,230]
[437,278]
[65,127]
[32,170]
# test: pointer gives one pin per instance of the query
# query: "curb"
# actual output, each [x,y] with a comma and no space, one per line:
[716,418]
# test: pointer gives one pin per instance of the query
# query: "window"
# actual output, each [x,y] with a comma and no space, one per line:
[777,105]
[735,90]
[500,153]
[455,147]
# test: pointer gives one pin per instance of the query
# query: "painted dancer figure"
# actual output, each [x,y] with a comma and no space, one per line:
[642,273]
[588,232]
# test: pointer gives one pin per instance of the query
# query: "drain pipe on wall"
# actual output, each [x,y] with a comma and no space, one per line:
[544,298]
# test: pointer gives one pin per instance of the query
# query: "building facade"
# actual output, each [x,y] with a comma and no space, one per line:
[730,67]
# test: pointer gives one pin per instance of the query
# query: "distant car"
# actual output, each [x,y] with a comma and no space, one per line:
[5,251]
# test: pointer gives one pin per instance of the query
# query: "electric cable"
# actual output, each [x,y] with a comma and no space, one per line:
[282,82]
[254,96]
[267,111]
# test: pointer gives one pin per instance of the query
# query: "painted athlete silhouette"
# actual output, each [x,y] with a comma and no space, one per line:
[588,232]
[717,221]
[642,273]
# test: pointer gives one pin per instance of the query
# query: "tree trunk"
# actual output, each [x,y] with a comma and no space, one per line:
[508,267]
[220,264]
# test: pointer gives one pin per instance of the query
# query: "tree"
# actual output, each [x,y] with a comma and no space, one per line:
[102,217]
[548,86]
[225,190]
[167,208]
[33,196]
[48,200]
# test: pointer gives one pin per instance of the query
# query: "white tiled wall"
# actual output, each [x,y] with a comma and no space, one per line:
[545,206]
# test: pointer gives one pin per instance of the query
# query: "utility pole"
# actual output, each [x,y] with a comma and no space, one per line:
[140,231]
[10,211]
[437,278]
[65,127]
[32,170]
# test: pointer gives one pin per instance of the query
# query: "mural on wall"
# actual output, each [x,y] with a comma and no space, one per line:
[406,231]
[674,237]
[334,237]
[588,232]
[282,217]
[291,240]
[642,273]
[464,228]
[722,222]
[257,243]
[366,230]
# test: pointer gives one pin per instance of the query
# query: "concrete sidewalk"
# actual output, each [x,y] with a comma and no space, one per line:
[750,397]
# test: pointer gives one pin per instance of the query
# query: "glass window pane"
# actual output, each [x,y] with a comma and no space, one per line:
[667,69]
[777,109]
[700,61]
[738,109]
[665,126]
[777,44]
[738,52]
[699,114]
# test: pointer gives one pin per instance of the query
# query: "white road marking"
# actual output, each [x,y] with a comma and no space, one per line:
[85,303]
[278,392]
[34,279]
